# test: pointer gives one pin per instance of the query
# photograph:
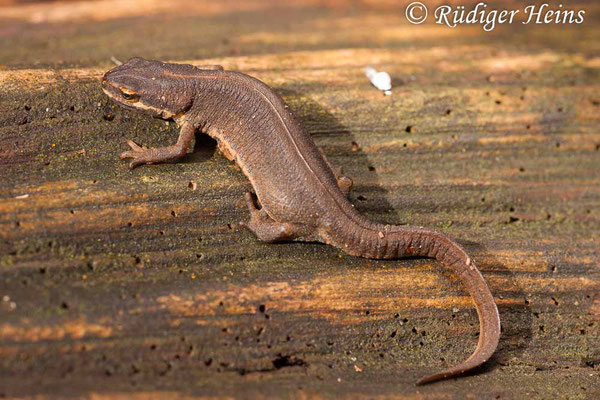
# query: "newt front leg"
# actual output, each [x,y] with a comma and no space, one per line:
[143,155]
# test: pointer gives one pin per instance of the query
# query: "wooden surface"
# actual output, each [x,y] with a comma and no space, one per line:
[119,284]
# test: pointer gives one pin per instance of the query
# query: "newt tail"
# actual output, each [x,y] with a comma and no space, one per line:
[487,311]
[376,241]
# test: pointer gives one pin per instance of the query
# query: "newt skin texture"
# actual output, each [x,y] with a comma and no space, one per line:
[300,196]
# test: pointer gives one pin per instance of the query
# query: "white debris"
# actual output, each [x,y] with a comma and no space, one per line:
[380,79]
[6,299]
[22,196]
[455,310]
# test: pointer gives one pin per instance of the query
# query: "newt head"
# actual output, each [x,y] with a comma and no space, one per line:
[150,86]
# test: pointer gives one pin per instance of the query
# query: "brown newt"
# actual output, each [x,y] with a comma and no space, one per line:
[301,197]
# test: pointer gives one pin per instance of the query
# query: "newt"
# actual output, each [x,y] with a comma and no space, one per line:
[300,196]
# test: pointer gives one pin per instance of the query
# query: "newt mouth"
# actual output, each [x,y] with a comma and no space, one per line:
[106,88]
[114,93]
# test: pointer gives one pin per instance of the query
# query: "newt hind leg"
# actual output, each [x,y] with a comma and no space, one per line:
[343,182]
[266,228]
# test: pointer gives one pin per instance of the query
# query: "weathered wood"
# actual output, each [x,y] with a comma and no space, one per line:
[141,285]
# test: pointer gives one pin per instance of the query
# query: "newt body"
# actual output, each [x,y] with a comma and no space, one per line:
[300,195]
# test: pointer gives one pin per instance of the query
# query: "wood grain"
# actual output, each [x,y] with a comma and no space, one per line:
[118,284]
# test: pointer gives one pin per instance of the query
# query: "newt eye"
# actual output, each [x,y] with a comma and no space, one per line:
[129,95]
